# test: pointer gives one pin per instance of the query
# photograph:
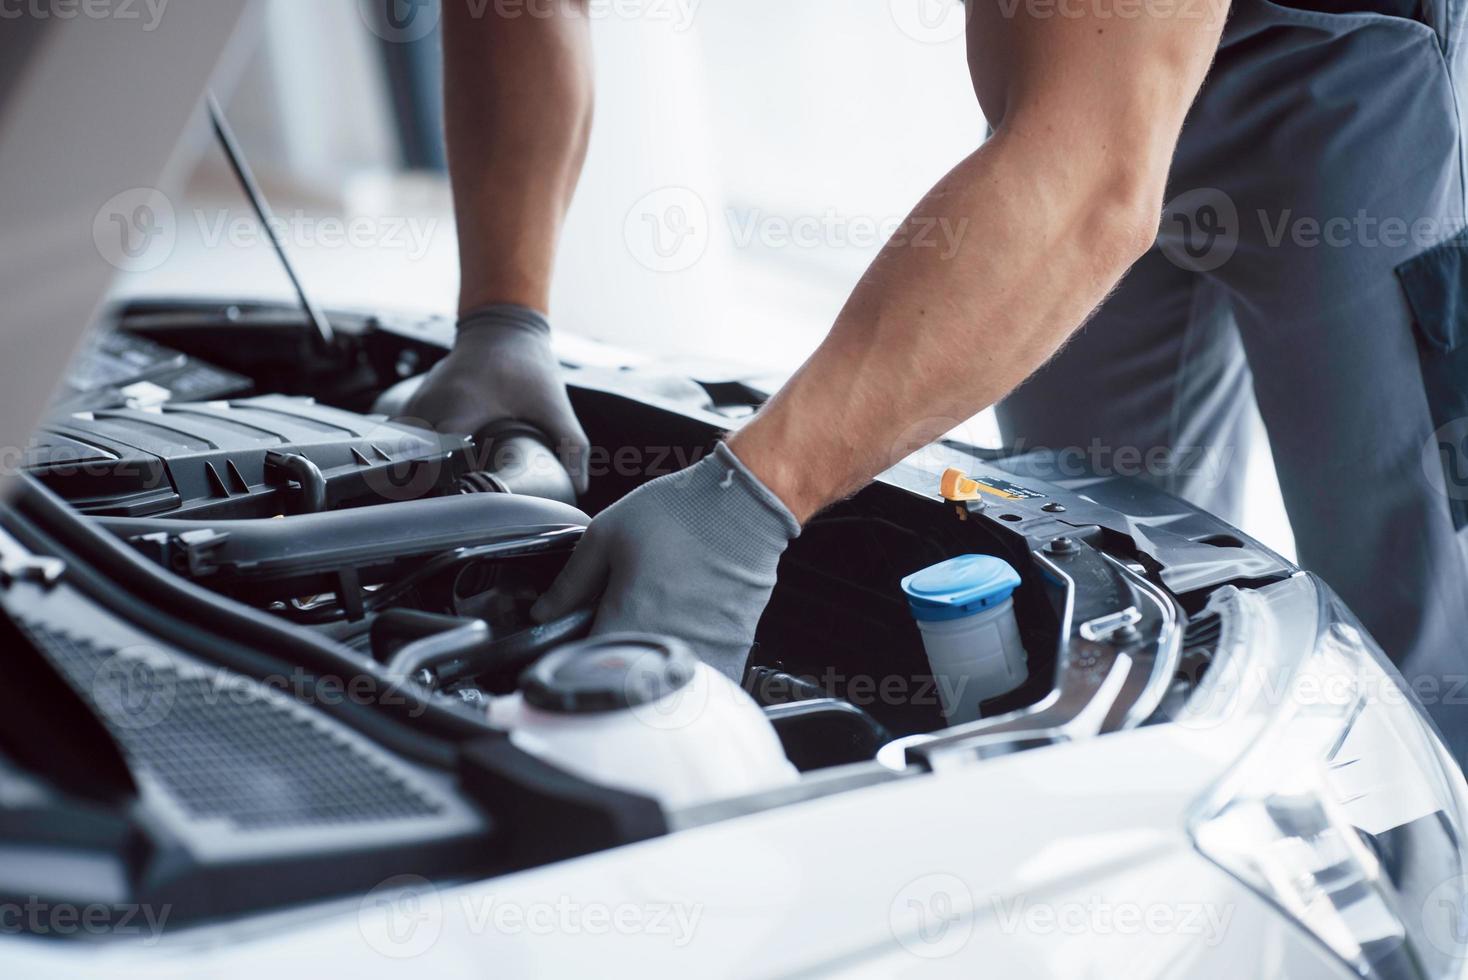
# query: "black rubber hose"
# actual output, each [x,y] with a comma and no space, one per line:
[500,657]
[306,473]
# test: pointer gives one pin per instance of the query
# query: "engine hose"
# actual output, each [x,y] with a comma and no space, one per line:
[451,660]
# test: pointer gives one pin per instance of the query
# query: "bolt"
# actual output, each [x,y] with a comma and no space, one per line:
[1054,508]
[1062,546]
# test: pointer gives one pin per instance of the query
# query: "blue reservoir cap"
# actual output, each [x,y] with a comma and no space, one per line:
[959,587]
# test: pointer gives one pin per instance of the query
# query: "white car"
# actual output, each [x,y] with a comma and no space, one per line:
[272,704]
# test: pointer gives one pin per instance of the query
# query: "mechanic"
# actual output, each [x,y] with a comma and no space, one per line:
[1356,349]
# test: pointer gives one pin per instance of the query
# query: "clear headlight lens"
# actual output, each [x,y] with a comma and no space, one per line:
[1346,812]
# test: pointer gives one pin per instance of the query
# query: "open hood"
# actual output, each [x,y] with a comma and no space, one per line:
[92,114]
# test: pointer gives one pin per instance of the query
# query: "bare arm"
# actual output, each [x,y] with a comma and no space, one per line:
[518,101]
[1052,210]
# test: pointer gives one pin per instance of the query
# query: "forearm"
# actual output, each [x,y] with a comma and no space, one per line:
[929,338]
[1048,215]
[518,103]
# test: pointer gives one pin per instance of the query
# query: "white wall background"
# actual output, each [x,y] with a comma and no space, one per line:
[744,154]
[827,114]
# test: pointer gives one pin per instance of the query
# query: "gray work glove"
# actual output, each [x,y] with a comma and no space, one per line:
[502,368]
[691,555]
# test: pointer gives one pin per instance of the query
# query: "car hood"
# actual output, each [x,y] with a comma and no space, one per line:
[76,157]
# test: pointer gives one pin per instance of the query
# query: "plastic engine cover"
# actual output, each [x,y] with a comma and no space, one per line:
[256,457]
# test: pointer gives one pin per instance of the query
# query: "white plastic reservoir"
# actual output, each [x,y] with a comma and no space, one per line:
[964,609]
[642,713]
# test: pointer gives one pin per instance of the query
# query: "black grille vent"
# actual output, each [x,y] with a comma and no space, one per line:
[227,747]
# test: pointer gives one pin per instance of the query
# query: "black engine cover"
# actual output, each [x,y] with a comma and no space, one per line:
[255,457]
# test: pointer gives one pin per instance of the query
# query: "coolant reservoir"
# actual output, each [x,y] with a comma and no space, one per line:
[642,713]
[964,610]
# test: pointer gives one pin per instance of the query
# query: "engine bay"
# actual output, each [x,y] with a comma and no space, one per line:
[411,547]
[363,584]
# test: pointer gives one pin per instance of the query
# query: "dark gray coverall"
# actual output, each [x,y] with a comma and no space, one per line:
[1314,254]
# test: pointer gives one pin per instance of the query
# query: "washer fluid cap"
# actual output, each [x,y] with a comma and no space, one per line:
[959,587]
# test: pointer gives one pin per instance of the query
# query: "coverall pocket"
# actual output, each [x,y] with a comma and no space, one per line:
[1343,16]
[1436,284]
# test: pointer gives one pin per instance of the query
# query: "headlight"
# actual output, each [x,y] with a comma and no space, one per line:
[1346,812]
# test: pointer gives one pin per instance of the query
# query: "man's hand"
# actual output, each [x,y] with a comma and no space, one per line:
[502,368]
[517,117]
[690,555]
[1086,107]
